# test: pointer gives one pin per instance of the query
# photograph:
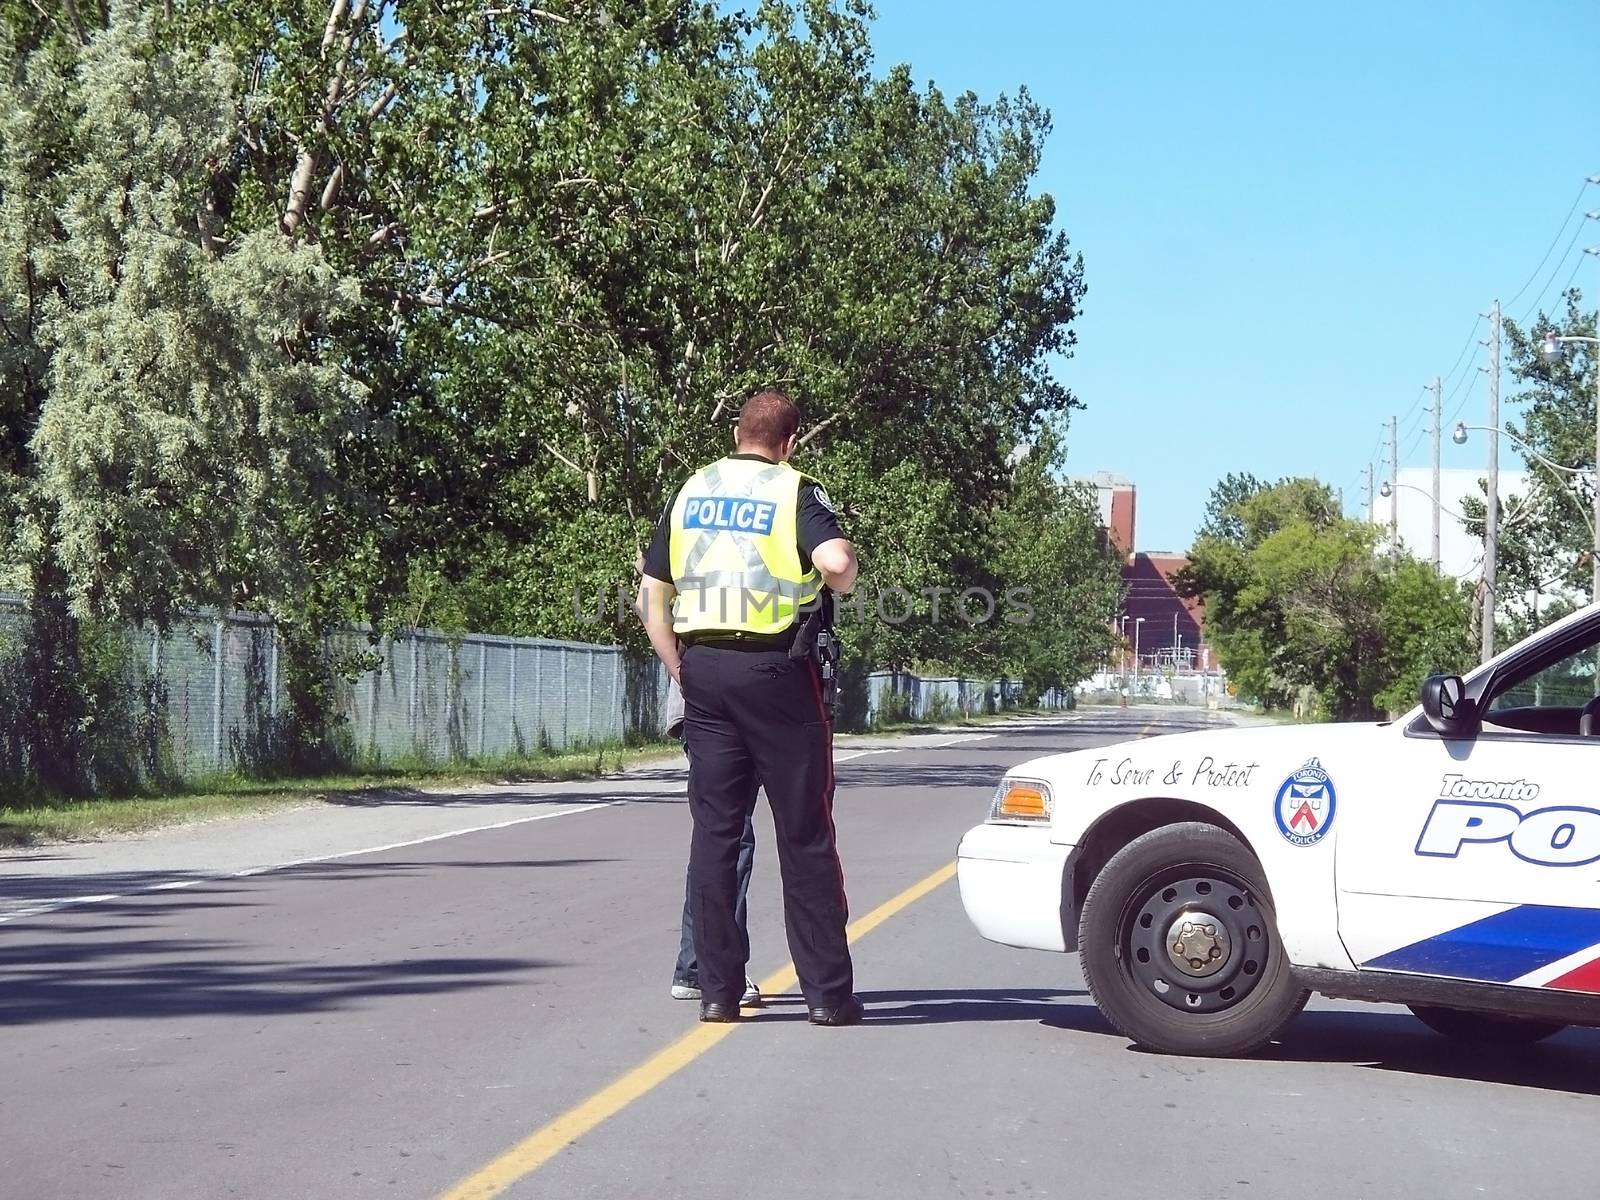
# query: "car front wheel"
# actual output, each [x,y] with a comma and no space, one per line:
[1180,946]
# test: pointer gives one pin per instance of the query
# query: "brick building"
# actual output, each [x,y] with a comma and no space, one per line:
[1169,629]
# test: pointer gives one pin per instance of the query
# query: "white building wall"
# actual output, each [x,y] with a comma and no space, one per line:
[1460,554]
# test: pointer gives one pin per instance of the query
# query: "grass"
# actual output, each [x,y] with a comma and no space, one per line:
[55,819]
[1283,716]
[51,819]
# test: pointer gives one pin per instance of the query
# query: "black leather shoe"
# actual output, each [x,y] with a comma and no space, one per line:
[847,1013]
[715,1012]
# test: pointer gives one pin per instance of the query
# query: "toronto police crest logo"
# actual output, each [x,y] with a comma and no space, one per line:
[1305,805]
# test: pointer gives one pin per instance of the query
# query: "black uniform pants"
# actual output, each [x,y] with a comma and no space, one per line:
[757,717]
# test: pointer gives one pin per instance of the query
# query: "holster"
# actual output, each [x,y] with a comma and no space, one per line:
[816,641]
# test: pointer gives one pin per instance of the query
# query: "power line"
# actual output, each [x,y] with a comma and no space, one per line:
[1463,383]
[1576,200]
[1575,268]
[1467,396]
[1413,444]
[1414,423]
[1576,234]
[1415,408]
[1466,346]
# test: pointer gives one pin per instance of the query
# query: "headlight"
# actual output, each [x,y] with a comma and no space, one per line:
[1021,802]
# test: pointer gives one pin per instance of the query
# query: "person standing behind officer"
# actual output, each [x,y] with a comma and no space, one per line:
[736,572]
[686,971]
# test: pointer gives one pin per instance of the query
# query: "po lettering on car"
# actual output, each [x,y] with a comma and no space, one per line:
[1505,813]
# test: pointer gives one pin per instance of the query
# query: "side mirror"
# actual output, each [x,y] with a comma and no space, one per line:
[1451,712]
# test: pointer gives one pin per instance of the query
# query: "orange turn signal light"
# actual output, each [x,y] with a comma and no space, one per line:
[1024,800]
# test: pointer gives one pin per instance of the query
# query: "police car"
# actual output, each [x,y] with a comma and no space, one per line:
[1210,881]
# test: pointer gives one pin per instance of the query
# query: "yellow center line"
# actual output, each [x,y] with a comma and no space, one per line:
[544,1144]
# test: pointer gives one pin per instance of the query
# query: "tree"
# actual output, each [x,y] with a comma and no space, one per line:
[1424,629]
[1552,552]
[169,429]
[1223,521]
[1048,545]
[1299,602]
[443,302]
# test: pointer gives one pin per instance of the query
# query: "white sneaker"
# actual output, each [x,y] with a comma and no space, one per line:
[750,999]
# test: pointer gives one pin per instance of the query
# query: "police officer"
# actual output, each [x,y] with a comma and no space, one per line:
[736,572]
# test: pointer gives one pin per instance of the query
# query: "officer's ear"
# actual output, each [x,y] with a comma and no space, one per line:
[790,445]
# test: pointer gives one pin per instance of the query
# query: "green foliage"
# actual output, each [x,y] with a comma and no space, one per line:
[1223,521]
[1545,548]
[894,708]
[1047,544]
[77,715]
[420,315]
[1424,631]
[1299,603]
[180,426]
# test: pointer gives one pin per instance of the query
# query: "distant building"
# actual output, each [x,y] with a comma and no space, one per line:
[1162,627]
[1117,502]
[1169,630]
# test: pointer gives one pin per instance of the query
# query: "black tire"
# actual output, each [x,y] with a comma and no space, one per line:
[1484,1028]
[1146,894]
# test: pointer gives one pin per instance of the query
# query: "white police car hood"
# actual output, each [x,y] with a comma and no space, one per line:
[1207,765]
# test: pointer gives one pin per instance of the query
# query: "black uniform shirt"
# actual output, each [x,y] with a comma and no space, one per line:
[815,523]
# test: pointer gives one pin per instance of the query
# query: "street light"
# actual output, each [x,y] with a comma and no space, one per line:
[1553,349]
[1459,437]
[1387,490]
[1384,492]
[1137,621]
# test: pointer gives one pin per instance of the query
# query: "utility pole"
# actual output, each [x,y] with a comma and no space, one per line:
[1491,508]
[1368,499]
[1438,387]
[1594,594]
[1394,486]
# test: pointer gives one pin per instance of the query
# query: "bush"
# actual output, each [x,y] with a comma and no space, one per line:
[894,708]
[941,708]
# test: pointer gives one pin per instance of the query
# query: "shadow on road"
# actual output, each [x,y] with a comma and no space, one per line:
[1389,1041]
[1379,1040]
[145,980]
[939,1007]
[145,886]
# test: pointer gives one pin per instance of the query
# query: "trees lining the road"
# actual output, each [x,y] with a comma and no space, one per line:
[1301,605]
[344,311]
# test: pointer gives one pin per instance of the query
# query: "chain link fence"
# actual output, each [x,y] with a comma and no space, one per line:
[902,696]
[209,694]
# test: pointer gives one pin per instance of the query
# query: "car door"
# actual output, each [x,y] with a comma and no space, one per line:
[1479,858]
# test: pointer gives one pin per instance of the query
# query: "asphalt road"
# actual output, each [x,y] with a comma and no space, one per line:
[388,1023]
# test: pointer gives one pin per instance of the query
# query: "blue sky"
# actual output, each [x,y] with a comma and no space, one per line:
[1290,214]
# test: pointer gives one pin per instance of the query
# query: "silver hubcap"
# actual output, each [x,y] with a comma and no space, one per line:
[1198,944]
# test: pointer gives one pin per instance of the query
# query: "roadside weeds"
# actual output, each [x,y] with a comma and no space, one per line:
[54,819]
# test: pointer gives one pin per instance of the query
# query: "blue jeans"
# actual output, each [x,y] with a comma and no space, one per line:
[688,969]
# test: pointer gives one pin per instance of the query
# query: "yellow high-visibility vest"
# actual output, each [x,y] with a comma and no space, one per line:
[735,561]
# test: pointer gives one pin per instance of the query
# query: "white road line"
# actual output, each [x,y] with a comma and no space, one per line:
[849,754]
[57,903]
[433,837]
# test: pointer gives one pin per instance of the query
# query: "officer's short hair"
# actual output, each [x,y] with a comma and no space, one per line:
[769,418]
